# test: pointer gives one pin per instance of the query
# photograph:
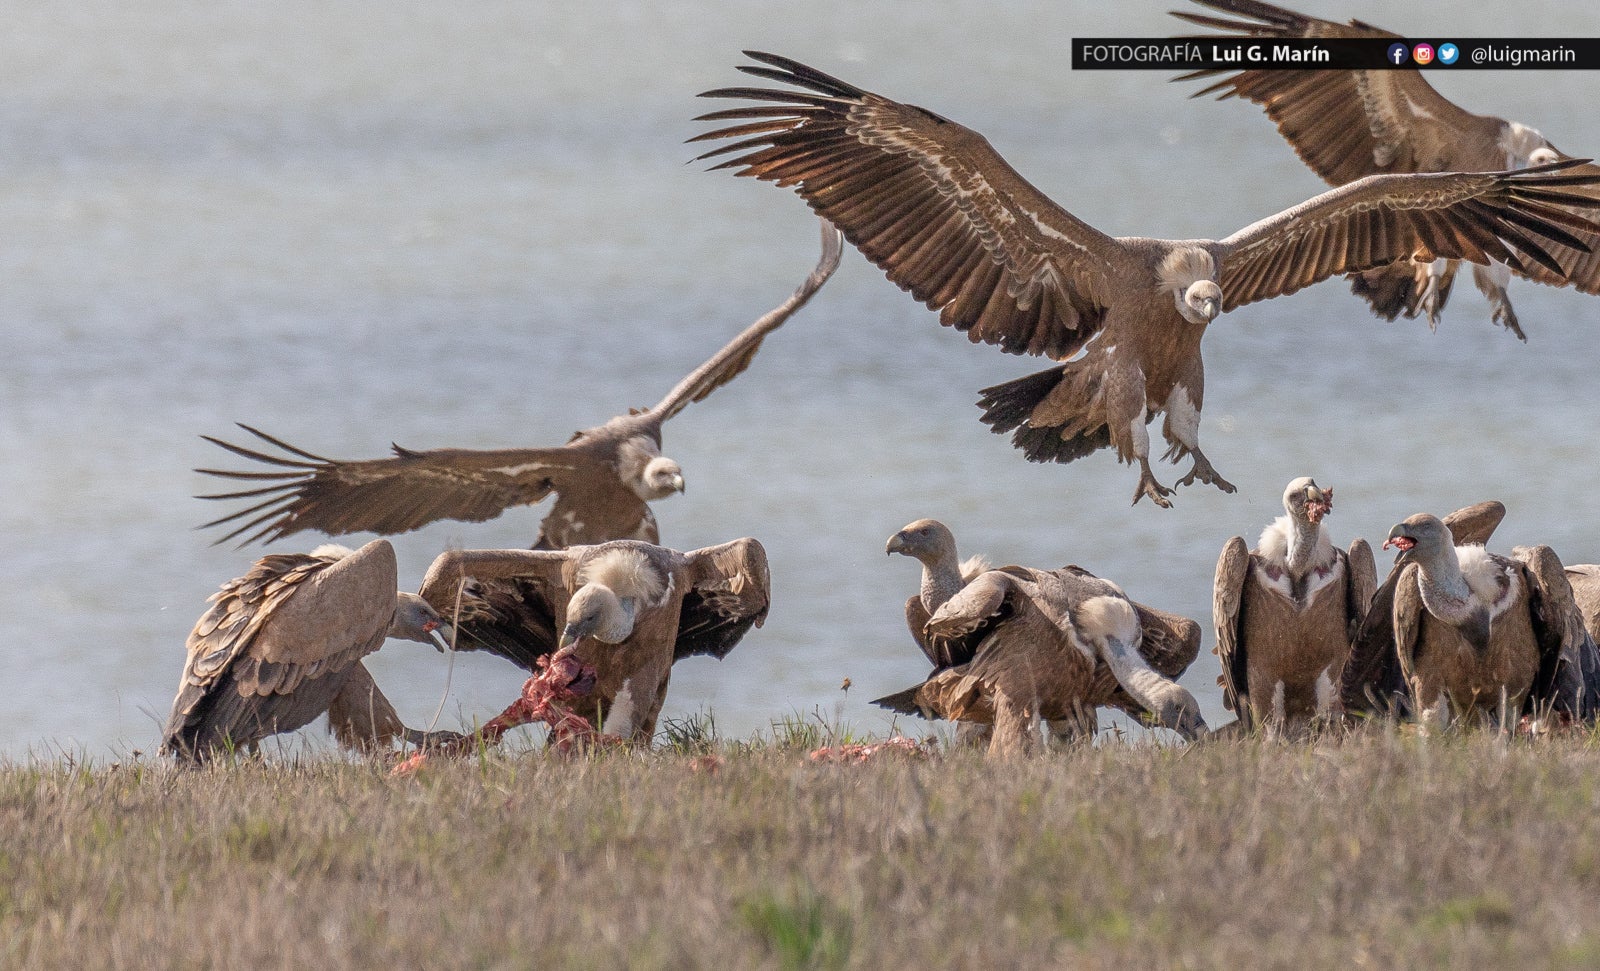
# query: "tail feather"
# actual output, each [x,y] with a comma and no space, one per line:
[904,702]
[1074,393]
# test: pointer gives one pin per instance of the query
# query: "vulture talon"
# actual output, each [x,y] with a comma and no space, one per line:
[1158,493]
[1203,472]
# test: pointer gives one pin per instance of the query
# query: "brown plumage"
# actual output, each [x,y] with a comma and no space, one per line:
[944,216]
[1018,645]
[1485,637]
[1372,683]
[1286,614]
[603,479]
[931,543]
[630,608]
[1347,125]
[282,642]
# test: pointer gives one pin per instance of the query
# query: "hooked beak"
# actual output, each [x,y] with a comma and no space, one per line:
[441,636]
[678,483]
[1400,541]
[1211,308]
[570,635]
[896,544]
[1319,502]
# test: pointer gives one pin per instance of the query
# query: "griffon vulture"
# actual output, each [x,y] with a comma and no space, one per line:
[603,479]
[1347,125]
[1287,613]
[944,573]
[944,216]
[1019,645]
[630,609]
[280,644]
[1482,636]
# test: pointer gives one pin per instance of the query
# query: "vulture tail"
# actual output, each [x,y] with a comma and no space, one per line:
[904,702]
[1058,414]
[1392,290]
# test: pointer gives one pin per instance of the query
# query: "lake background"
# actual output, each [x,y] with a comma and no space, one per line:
[474,225]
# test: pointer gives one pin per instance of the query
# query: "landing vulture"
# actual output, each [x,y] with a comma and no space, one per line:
[284,642]
[1024,644]
[1286,614]
[1485,637]
[938,209]
[603,479]
[1372,683]
[1347,125]
[630,609]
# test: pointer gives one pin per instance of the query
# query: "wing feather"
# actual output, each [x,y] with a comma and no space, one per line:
[931,204]
[730,590]
[1227,599]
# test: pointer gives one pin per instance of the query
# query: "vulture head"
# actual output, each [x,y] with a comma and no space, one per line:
[1304,501]
[1524,146]
[660,479]
[596,611]
[927,540]
[1191,275]
[416,620]
[1423,538]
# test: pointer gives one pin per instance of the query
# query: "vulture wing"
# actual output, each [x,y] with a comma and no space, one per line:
[731,361]
[1513,217]
[1360,583]
[1408,613]
[507,602]
[957,628]
[387,496]
[1566,651]
[1372,682]
[931,204]
[917,620]
[272,651]
[729,593]
[1227,597]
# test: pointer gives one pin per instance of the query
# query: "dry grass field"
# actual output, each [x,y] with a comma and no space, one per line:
[1383,850]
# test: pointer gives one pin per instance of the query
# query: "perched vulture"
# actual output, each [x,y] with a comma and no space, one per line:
[944,216]
[282,643]
[1485,637]
[630,608]
[603,479]
[931,543]
[1347,125]
[1287,613]
[1020,645]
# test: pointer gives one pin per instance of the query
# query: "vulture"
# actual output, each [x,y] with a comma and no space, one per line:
[603,478]
[943,215]
[282,643]
[1347,125]
[1287,613]
[1016,645]
[1486,637]
[628,608]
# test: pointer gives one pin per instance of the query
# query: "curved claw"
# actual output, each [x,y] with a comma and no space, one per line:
[1202,471]
[1158,493]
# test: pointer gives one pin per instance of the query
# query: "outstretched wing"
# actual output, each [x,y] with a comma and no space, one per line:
[930,203]
[1233,569]
[1346,125]
[1372,682]
[729,592]
[386,496]
[731,361]
[1513,217]
[1566,651]
[506,602]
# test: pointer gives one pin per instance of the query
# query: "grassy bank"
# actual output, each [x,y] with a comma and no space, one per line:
[1380,851]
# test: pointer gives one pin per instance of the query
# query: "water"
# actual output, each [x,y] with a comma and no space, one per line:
[473,225]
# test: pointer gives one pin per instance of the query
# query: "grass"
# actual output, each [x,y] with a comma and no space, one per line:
[1382,850]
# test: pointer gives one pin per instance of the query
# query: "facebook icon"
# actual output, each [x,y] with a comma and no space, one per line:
[1397,53]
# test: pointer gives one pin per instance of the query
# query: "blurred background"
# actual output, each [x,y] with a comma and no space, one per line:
[477,225]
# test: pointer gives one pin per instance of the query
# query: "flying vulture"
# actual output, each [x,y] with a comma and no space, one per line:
[1485,637]
[1016,645]
[628,608]
[944,216]
[1347,125]
[1287,613]
[603,478]
[280,644]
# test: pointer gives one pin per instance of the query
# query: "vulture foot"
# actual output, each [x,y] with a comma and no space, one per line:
[1505,316]
[1158,493]
[1202,471]
[425,740]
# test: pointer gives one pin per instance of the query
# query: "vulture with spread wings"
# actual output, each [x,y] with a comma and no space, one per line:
[630,610]
[944,216]
[1347,125]
[603,479]
[283,644]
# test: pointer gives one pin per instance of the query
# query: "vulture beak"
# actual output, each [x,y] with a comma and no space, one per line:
[1319,502]
[442,635]
[573,633]
[896,544]
[1210,307]
[678,483]
[1400,541]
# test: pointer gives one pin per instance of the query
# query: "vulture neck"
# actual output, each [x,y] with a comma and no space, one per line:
[1445,590]
[1299,545]
[941,578]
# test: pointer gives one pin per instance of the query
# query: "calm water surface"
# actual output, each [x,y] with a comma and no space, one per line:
[474,225]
